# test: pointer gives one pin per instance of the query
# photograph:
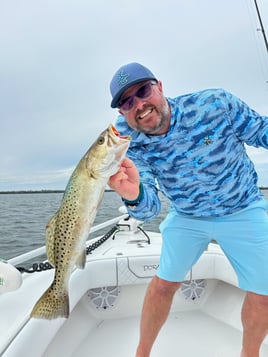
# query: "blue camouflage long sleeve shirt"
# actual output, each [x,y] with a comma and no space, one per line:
[200,164]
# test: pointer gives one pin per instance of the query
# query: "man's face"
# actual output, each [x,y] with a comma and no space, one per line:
[150,115]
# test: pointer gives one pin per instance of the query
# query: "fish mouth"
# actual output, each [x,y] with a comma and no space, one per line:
[116,133]
[117,147]
[120,142]
[115,138]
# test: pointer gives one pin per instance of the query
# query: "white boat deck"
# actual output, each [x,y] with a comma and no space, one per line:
[106,301]
[183,335]
[209,327]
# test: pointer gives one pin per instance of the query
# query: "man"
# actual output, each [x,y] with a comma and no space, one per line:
[192,146]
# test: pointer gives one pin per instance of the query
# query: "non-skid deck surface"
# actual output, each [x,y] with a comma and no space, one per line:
[186,334]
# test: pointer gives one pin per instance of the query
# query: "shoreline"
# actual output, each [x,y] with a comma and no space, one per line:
[60,191]
[38,191]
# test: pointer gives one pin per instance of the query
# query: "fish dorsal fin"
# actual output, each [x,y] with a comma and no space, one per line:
[81,260]
[50,230]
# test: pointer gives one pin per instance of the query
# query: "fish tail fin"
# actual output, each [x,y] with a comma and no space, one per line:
[52,304]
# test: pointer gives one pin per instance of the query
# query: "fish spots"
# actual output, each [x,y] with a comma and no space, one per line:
[67,230]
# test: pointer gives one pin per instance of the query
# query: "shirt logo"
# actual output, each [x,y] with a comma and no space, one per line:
[122,78]
[207,140]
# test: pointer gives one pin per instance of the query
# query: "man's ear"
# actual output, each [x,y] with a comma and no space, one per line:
[159,83]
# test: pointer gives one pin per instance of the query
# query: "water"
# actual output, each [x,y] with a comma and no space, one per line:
[24,217]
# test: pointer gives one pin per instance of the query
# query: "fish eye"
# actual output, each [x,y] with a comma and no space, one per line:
[101,140]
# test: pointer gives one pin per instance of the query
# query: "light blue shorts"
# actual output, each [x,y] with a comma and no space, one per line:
[242,236]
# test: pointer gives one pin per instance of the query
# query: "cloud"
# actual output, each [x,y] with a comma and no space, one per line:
[58,56]
[259,156]
[35,180]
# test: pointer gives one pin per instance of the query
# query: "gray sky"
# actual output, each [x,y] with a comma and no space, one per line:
[58,57]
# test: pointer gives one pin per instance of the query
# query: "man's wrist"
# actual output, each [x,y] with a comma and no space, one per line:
[133,203]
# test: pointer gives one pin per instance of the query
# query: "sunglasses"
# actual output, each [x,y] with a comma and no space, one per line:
[144,92]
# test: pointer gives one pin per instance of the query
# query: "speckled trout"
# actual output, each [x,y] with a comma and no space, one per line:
[68,229]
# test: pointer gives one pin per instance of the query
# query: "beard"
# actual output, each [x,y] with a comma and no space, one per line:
[161,119]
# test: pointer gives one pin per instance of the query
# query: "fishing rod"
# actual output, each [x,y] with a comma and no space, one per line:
[261,25]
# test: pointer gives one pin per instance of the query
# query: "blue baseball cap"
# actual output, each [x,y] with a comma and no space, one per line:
[125,77]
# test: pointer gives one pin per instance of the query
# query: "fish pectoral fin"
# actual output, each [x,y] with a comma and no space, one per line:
[81,260]
[50,230]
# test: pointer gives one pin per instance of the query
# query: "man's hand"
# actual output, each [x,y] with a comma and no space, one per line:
[126,181]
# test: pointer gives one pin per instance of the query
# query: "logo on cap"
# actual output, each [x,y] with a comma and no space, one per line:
[122,78]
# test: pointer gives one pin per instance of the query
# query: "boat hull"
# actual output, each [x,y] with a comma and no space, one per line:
[106,301]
